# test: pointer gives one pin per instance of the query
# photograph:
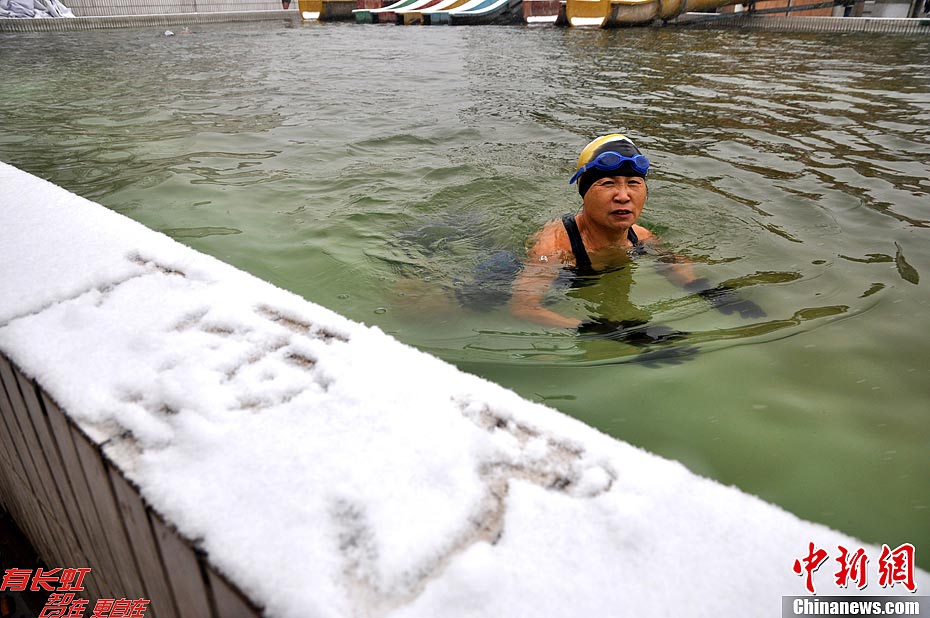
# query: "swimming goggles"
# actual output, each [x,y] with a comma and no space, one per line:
[610,160]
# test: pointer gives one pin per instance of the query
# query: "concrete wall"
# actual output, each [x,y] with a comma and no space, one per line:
[882,8]
[106,8]
[143,21]
[774,4]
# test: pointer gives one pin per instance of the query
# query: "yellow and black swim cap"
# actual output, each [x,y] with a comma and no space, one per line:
[593,165]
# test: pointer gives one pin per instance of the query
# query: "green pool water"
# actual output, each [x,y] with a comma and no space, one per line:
[370,169]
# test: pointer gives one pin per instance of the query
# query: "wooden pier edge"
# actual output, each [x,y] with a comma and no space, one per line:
[79,510]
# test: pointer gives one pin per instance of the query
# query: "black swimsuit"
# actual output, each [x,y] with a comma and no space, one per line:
[582,261]
[491,283]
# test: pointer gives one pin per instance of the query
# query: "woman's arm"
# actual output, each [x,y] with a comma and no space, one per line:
[528,292]
[722,297]
[680,271]
[545,259]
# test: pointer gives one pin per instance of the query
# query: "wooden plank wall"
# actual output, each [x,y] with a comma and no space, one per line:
[79,510]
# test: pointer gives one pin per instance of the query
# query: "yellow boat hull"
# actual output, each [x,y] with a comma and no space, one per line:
[607,13]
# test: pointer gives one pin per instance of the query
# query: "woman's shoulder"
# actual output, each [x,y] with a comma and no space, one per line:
[643,233]
[552,240]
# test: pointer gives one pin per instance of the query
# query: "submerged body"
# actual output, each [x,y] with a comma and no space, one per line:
[612,181]
[590,257]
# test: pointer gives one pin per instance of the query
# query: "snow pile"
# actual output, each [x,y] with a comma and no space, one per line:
[329,470]
[33,8]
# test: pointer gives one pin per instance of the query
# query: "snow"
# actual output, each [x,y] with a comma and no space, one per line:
[329,470]
[38,9]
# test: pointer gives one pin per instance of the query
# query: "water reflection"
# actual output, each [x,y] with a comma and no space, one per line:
[377,178]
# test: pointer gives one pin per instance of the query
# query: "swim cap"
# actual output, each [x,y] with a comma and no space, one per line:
[615,142]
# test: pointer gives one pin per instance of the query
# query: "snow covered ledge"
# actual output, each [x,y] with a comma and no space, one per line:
[325,469]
